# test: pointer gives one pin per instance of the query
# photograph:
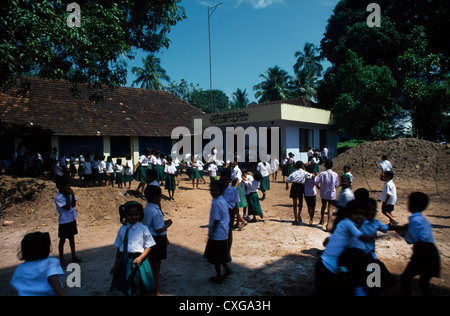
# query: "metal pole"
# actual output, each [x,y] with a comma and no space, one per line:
[210,12]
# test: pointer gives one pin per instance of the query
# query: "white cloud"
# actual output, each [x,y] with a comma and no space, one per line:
[259,4]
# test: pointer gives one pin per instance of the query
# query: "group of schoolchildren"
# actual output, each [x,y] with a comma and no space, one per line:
[340,270]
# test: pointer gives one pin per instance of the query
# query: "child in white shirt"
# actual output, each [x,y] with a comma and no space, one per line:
[389,197]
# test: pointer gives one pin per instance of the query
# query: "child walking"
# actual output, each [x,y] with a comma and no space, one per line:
[328,181]
[389,197]
[154,220]
[40,274]
[128,172]
[170,171]
[118,168]
[425,260]
[264,168]
[297,179]
[216,251]
[132,274]
[65,206]
[252,186]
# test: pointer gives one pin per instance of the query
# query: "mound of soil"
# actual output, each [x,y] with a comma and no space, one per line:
[412,159]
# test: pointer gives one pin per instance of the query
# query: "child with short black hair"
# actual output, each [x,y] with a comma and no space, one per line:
[65,205]
[216,251]
[425,260]
[389,197]
[40,274]
[132,272]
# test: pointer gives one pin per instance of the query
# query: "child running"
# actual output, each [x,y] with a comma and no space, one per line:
[132,274]
[389,197]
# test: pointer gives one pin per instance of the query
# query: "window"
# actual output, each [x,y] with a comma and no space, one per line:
[120,146]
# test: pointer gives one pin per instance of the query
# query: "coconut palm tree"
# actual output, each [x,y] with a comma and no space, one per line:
[274,87]
[305,85]
[149,76]
[239,99]
[309,61]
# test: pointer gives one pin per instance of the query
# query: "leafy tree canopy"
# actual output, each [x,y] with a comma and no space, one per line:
[36,39]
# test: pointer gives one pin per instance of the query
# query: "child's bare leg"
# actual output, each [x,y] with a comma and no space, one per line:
[322,212]
[294,201]
[156,268]
[330,216]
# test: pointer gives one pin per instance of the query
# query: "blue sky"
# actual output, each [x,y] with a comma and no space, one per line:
[247,37]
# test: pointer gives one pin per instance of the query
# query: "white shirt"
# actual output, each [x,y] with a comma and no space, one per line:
[109,166]
[155,161]
[219,212]
[101,166]
[325,152]
[264,168]
[153,219]
[118,168]
[170,169]
[128,168]
[328,181]
[385,165]
[251,186]
[236,173]
[212,169]
[345,234]
[199,165]
[419,229]
[346,195]
[310,187]
[143,161]
[65,216]
[139,238]
[274,165]
[298,176]
[389,188]
[31,277]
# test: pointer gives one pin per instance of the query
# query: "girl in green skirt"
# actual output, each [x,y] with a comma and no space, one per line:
[194,174]
[170,171]
[254,208]
[132,274]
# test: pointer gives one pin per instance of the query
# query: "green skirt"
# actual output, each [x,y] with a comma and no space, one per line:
[132,280]
[141,174]
[291,169]
[254,208]
[160,175]
[195,174]
[264,184]
[170,184]
[120,178]
[243,202]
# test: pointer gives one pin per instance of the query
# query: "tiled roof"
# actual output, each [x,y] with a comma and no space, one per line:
[50,106]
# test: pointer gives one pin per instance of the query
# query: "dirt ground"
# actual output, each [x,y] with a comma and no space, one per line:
[272,257]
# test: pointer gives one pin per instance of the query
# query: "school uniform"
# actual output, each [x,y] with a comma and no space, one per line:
[200,165]
[87,170]
[231,196]
[67,218]
[297,179]
[154,220]
[290,166]
[141,172]
[81,160]
[425,260]
[389,189]
[212,172]
[119,175]
[328,181]
[264,169]
[157,163]
[72,167]
[109,166]
[101,171]
[170,171]
[128,171]
[95,164]
[327,272]
[193,171]
[310,191]
[274,165]
[236,175]
[31,277]
[252,186]
[315,162]
[130,279]
[216,250]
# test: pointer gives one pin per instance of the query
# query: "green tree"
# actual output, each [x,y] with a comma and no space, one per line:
[362,96]
[309,61]
[149,77]
[240,99]
[201,99]
[274,87]
[35,38]
[183,89]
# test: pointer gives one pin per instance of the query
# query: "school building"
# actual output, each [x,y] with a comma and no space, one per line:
[111,121]
[301,124]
